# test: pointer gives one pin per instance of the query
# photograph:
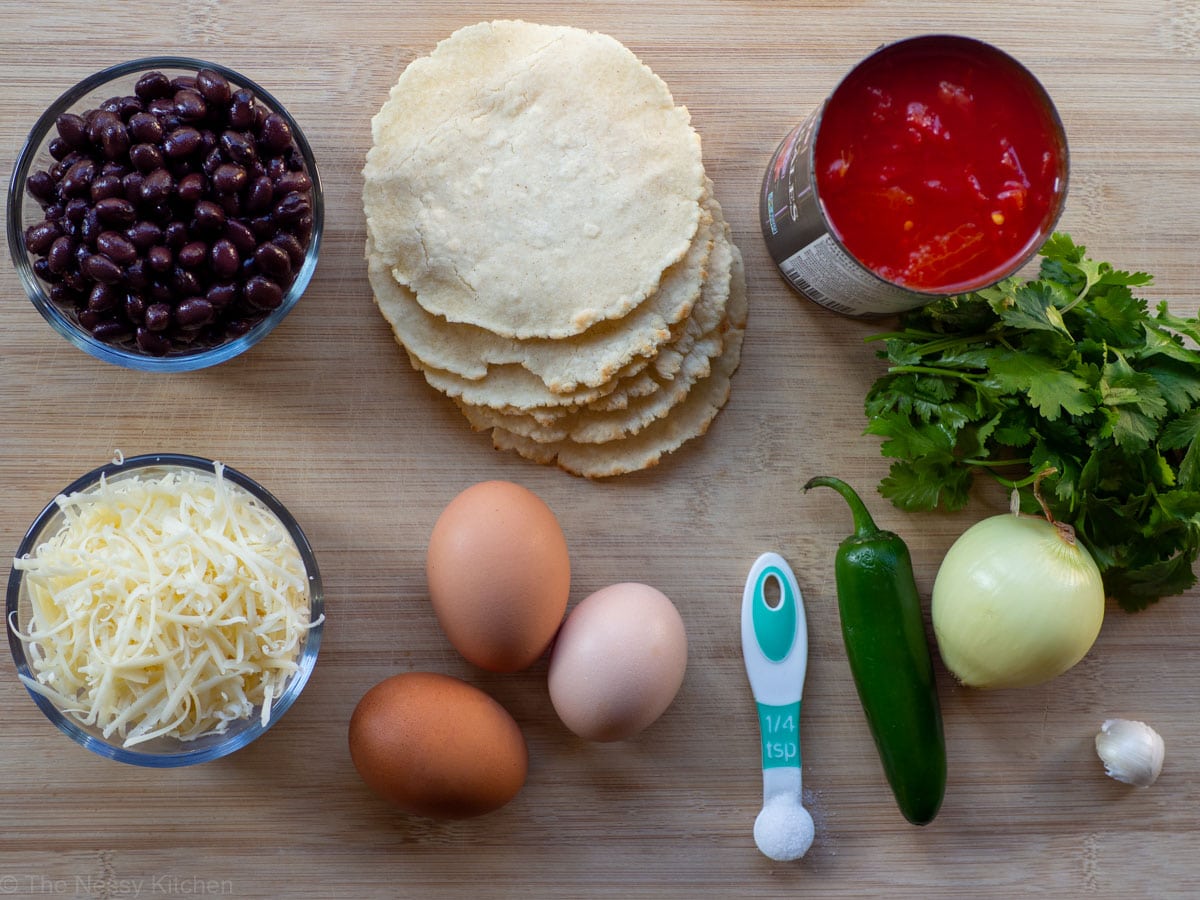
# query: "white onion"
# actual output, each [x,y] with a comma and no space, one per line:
[1017,601]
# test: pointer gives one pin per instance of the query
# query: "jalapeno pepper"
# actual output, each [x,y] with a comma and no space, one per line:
[889,658]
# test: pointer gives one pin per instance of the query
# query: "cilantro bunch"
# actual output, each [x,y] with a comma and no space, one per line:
[1069,371]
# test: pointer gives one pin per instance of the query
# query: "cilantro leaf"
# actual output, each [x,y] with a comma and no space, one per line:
[1182,434]
[918,485]
[1049,388]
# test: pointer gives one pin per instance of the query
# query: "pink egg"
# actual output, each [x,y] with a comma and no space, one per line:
[618,662]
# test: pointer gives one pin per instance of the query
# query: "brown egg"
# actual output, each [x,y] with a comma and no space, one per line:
[436,746]
[618,662]
[498,575]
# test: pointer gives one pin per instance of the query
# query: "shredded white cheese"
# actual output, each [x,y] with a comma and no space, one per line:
[166,606]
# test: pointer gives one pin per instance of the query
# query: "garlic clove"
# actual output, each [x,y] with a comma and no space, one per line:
[1132,752]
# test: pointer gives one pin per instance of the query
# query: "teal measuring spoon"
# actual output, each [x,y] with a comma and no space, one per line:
[775,650]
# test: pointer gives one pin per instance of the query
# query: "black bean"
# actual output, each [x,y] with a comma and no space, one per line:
[221,295]
[104,297]
[61,254]
[161,292]
[208,141]
[262,226]
[224,259]
[146,157]
[161,107]
[237,147]
[262,293]
[241,109]
[181,168]
[158,187]
[129,107]
[77,180]
[41,268]
[58,148]
[212,160]
[77,281]
[100,120]
[151,342]
[276,132]
[231,203]
[72,129]
[136,275]
[90,227]
[112,331]
[193,312]
[184,283]
[152,86]
[63,295]
[192,254]
[276,167]
[190,105]
[106,186]
[292,183]
[238,327]
[114,140]
[54,212]
[291,244]
[145,127]
[184,83]
[180,142]
[241,236]
[158,316]
[175,235]
[116,247]
[135,307]
[291,208]
[274,262]
[160,259]
[75,209]
[260,194]
[229,178]
[191,187]
[210,217]
[100,268]
[144,235]
[40,185]
[89,319]
[116,211]
[132,186]
[213,86]
[40,237]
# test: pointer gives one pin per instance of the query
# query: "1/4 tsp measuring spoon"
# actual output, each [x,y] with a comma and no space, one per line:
[775,649]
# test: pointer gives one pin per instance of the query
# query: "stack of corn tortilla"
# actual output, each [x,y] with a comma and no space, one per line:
[546,246]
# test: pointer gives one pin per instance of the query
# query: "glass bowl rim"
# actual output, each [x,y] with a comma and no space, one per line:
[36,291]
[232,740]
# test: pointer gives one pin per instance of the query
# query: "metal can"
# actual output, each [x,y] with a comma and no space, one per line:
[799,203]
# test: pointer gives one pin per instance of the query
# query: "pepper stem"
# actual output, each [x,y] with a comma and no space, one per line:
[864,525]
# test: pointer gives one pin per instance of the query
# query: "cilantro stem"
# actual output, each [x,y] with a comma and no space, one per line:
[908,333]
[930,370]
[995,463]
[1009,483]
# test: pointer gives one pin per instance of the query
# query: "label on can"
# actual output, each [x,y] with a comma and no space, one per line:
[826,274]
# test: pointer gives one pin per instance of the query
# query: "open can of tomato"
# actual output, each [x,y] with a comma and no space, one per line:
[937,166]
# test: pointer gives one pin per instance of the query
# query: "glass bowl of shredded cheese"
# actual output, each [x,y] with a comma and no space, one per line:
[164,610]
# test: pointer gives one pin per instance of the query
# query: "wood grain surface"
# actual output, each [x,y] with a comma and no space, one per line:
[328,415]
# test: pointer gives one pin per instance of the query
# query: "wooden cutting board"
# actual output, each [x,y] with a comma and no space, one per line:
[328,414]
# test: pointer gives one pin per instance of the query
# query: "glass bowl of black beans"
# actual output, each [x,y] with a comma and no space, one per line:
[165,214]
